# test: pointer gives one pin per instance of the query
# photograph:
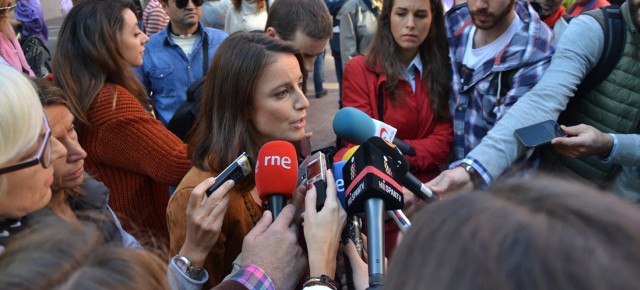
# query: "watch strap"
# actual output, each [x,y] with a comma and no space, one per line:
[475,177]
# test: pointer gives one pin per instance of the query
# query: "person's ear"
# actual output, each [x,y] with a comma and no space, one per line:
[271,32]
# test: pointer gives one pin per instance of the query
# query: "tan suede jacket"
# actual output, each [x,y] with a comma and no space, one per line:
[242,214]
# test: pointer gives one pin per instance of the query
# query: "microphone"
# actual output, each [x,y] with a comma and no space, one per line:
[397,215]
[410,181]
[352,229]
[276,174]
[368,177]
[354,126]
[237,170]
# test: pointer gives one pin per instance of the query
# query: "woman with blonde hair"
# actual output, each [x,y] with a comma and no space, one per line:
[26,153]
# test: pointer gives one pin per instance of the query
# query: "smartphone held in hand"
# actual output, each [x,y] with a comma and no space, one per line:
[539,134]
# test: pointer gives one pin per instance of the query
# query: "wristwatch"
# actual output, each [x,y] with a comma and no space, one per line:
[185,266]
[475,177]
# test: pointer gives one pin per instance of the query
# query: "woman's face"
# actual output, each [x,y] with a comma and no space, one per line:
[132,40]
[280,106]
[410,23]
[28,189]
[67,172]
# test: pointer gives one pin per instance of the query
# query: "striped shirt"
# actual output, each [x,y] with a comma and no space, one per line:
[154,17]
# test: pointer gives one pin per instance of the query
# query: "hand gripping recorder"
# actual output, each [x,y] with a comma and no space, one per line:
[237,170]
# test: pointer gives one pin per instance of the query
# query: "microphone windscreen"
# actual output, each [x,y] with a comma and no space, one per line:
[353,125]
[276,169]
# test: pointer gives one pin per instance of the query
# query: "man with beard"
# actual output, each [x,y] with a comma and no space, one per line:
[177,56]
[499,50]
[613,107]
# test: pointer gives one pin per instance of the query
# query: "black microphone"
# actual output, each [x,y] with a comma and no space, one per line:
[408,180]
[370,188]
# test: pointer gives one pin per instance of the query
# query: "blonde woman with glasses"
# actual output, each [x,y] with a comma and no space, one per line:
[26,151]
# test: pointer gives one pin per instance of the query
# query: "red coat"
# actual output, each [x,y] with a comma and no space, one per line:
[412,116]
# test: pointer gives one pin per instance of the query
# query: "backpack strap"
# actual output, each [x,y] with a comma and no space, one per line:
[612,23]
[205,53]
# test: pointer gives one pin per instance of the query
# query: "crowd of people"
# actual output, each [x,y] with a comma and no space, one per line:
[98,191]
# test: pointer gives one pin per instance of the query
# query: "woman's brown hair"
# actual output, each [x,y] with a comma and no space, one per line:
[88,56]
[223,129]
[434,52]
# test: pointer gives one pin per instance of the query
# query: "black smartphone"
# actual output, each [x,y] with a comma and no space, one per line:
[539,134]
[237,170]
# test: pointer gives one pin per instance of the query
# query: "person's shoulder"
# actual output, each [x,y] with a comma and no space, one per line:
[111,96]
[349,6]
[158,37]
[358,66]
[358,60]
[215,33]
[457,17]
[193,178]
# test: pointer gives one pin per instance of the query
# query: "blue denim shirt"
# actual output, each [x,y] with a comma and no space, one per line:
[166,71]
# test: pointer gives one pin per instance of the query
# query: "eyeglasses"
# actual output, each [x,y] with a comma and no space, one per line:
[43,157]
[181,4]
[10,8]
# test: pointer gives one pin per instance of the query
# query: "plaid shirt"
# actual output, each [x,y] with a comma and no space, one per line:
[253,278]
[476,102]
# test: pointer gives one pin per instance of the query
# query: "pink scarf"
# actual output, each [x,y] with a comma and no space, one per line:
[12,53]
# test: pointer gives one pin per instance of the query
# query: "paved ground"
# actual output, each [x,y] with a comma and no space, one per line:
[320,113]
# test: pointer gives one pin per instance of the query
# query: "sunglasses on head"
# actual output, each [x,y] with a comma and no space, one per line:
[183,3]
[11,7]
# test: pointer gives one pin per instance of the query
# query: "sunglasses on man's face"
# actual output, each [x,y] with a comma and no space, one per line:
[183,3]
